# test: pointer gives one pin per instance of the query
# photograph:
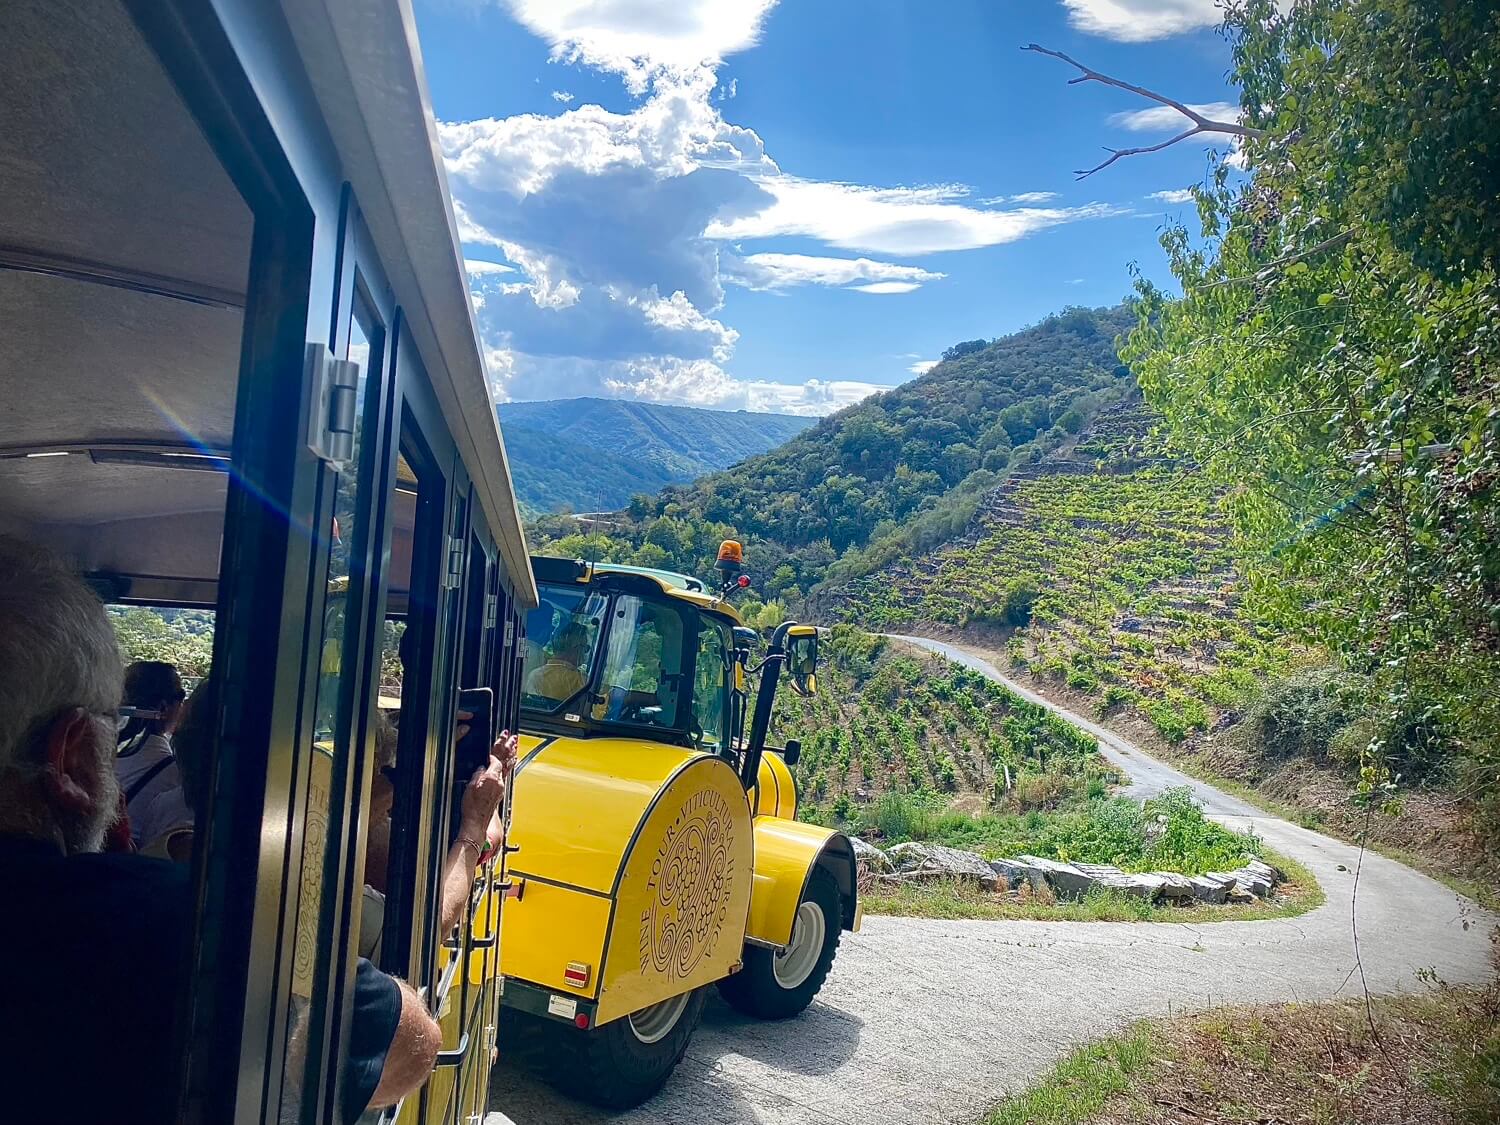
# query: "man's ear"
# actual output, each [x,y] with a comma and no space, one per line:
[72,760]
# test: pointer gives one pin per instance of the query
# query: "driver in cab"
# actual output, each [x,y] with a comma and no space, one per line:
[562,676]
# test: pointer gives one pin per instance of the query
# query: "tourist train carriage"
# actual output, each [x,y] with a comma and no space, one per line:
[240,374]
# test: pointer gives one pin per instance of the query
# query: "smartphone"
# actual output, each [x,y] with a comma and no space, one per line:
[472,751]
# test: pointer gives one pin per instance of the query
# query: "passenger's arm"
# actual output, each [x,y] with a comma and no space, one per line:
[413,1051]
[481,801]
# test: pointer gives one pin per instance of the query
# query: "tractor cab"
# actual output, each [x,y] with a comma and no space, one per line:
[657,850]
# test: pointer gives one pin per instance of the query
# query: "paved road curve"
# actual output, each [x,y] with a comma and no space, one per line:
[927,1021]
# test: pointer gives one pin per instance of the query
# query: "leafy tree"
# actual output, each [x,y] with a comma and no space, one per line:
[1334,358]
[182,638]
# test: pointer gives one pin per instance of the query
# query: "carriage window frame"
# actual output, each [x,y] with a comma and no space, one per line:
[308,1083]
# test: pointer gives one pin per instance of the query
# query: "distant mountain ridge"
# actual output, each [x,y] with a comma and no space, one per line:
[593,454]
[886,479]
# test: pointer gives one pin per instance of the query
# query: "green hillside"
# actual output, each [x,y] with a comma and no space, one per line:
[897,473]
[891,719]
[592,454]
[1105,569]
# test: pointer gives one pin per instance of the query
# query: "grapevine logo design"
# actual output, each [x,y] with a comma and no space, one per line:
[689,889]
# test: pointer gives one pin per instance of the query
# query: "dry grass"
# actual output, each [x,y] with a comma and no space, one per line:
[1432,1059]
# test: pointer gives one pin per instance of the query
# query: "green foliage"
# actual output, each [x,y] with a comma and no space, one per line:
[900,730]
[1114,567]
[1304,715]
[181,637]
[1169,833]
[1335,354]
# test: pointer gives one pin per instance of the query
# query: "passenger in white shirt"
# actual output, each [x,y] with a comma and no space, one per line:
[144,761]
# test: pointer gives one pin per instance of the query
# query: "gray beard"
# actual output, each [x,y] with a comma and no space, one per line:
[86,834]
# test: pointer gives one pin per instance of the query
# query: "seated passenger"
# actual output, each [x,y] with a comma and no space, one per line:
[166,829]
[561,676]
[477,835]
[144,762]
[97,945]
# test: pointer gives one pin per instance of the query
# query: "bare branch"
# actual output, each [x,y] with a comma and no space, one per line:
[1116,153]
[1201,124]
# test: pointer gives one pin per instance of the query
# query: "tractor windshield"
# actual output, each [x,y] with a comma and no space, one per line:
[644,681]
[562,635]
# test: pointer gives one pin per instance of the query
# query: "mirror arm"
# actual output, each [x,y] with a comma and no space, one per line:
[765,699]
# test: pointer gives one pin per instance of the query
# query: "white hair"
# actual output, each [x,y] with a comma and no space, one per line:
[57,650]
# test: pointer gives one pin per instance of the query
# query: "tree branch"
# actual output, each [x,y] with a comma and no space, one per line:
[1266,270]
[1201,124]
[1116,153]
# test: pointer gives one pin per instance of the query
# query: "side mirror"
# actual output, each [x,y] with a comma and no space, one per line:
[792,754]
[802,659]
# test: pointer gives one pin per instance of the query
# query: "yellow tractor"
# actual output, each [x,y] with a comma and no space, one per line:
[656,847]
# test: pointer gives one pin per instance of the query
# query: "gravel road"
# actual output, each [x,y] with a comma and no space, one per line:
[931,1021]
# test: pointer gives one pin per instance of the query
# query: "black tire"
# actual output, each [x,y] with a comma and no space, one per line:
[755,989]
[612,1067]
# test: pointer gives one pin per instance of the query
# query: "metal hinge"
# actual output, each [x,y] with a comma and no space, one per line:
[455,574]
[332,405]
[491,610]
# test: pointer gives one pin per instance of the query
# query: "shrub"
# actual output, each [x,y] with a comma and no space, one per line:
[1082,680]
[1190,843]
[1303,714]
[899,816]
[1041,790]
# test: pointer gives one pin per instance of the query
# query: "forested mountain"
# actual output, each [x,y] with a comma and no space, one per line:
[901,471]
[593,454]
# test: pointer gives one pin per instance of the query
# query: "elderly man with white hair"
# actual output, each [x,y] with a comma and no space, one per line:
[96,946]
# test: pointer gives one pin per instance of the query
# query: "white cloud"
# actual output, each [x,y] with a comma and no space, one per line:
[476,267]
[562,96]
[899,220]
[783,271]
[614,225]
[1074,281]
[922,366]
[639,39]
[887,287]
[1165,119]
[701,382]
[1022,197]
[1174,195]
[1138,21]
[726,93]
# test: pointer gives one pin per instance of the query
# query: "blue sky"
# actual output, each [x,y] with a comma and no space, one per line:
[785,205]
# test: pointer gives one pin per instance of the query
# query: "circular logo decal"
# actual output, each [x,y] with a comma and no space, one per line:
[689,889]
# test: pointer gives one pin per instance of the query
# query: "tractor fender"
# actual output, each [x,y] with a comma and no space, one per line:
[786,854]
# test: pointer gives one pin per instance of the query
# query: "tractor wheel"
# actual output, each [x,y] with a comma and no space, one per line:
[624,1062]
[775,985]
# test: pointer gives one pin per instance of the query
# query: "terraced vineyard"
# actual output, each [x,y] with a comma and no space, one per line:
[1106,569]
[888,719]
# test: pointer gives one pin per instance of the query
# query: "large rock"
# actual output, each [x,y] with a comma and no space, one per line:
[1147,887]
[1266,871]
[1254,882]
[1065,880]
[1178,888]
[1013,873]
[934,861]
[1207,888]
[870,858]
